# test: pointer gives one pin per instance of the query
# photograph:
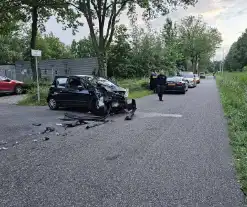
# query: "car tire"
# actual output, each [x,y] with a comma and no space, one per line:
[52,103]
[18,90]
[102,111]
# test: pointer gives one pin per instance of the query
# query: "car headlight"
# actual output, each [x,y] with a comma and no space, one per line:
[126,93]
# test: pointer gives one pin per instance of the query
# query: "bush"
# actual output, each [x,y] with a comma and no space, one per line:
[137,89]
[32,98]
[233,91]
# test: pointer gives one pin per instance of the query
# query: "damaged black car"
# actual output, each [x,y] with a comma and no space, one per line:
[95,94]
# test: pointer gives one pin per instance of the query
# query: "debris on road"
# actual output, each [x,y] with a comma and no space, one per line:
[110,158]
[48,129]
[132,111]
[3,148]
[46,138]
[3,142]
[97,124]
[72,120]
[36,124]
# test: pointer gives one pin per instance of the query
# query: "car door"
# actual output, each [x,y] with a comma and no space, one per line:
[58,89]
[76,94]
[5,84]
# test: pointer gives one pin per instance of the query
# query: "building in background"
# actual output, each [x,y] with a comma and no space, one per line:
[51,68]
[8,71]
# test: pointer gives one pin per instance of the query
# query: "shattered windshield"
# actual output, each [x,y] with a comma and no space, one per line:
[95,80]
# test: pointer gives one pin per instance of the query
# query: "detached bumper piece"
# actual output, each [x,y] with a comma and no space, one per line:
[72,120]
[132,108]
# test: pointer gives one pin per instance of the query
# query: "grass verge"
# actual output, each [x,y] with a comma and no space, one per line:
[233,92]
[137,89]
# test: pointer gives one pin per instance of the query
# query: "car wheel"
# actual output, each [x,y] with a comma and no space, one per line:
[101,111]
[52,103]
[18,90]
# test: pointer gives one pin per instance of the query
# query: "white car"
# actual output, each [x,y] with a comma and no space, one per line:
[198,80]
[191,79]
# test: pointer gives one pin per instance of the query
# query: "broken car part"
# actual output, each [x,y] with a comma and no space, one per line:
[48,129]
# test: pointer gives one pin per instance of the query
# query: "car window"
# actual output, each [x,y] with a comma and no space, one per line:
[174,79]
[188,76]
[61,82]
[73,83]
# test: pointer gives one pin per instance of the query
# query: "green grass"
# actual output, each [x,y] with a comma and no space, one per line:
[32,99]
[137,89]
[233,91]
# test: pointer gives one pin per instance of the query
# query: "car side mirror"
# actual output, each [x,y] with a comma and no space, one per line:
[80,88]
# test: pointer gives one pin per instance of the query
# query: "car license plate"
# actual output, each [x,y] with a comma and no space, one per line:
[171,84]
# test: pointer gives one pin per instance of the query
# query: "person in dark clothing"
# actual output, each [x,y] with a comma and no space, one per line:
[153,84]
[161,85]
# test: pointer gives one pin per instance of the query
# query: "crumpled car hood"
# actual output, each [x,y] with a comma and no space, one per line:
[112,87]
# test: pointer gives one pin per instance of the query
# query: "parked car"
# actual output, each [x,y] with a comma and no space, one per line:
[177,84]
[198,80]
[95,94]
[190,78]
[8,86]
[202,75]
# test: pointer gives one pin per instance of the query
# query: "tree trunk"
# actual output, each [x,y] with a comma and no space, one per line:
[193,64]
[102,64]
[33,39]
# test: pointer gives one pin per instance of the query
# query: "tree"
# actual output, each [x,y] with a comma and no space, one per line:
[11,49]
[236,58]
[172,52]
[101,10]
[15,47]
[38,12]
[198,39]
[119,54]
[83,48]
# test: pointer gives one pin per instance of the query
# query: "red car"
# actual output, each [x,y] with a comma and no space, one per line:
[11,86]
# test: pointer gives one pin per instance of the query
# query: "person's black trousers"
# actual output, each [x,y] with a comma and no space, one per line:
[160,91]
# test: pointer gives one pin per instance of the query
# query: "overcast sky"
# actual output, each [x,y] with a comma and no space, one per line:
[229,16]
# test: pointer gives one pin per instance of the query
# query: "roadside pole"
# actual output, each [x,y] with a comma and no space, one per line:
[36,54]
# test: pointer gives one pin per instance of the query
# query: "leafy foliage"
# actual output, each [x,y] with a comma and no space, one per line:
[198,40]
[37,12]
[236,58]
[132,53]
[101,31]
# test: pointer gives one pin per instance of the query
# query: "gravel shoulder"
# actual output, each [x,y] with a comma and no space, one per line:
[173,153]
[11,99]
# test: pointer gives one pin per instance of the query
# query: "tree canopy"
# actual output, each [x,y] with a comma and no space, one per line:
[102,17]
[133,51]
[236,59]
[36,13]
[199,41]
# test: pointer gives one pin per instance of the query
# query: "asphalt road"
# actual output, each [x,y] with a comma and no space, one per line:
[173,153]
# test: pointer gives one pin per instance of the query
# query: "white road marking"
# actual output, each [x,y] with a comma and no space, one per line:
[154,114]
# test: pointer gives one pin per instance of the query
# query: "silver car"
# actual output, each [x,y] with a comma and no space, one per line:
[191,79]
